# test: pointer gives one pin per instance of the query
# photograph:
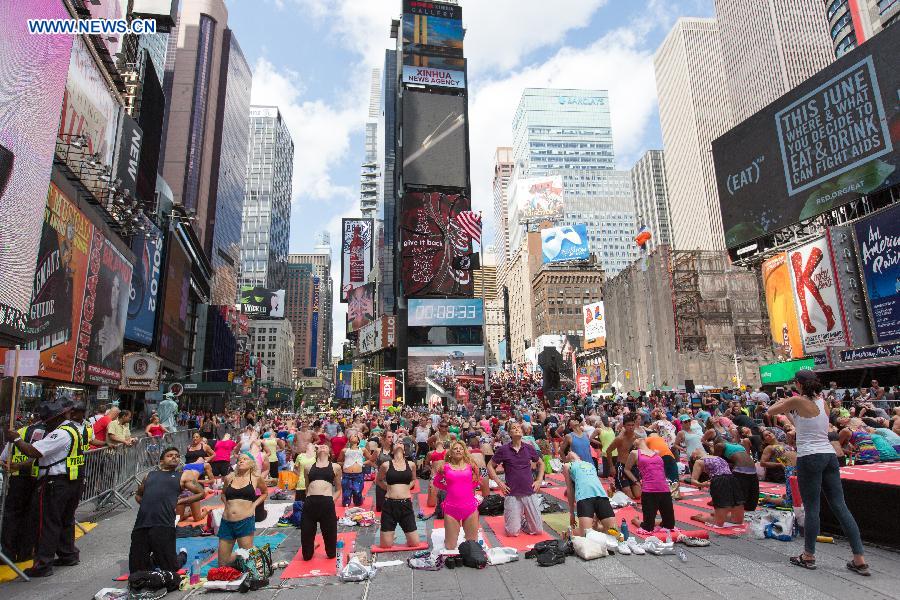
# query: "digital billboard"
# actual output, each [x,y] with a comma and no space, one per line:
[424,360]
[148,249]
[781,308]
[434,140]
[434,71]
[262,303]
[33,71]
[878,241]
[356,253]
[560,244]
[432,28]
[177,295]
[827,142]
[430,242]
[446,312]
[594,325]
[361,307]
[539,199]
[342,382]
[816,296]
[79,299]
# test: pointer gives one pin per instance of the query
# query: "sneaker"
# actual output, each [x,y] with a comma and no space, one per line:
[623,549]
[693,542]
[282,522]
[635,546]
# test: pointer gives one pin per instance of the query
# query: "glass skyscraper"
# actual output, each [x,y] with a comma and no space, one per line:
[267,203]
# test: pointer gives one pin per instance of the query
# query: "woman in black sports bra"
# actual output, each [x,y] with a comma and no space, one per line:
[397,478]
[244,491]
[323,490]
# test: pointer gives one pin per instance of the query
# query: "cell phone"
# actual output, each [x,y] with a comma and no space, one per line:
[779,392]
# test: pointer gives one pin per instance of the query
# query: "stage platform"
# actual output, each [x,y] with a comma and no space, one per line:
[872,493]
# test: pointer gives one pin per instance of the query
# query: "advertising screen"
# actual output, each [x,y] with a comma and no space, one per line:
[433,28]
[450,311]
[780,304]
[560,244]
[434,71]
[175,303]
[539,199]
[361,307]
[427,361]
[430,241]
[434,140]
[144,295]
[34,76]
[784,371]
[816,296]
[356,254]
[594,325]
[878,240]
[262,303]
[829,141]
[342,388]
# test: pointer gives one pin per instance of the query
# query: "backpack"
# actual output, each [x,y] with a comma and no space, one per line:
[550,552]
[491,506]
[257,566]
[296,513]
[473,555]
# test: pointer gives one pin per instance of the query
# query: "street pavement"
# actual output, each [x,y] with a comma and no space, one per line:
[736,568]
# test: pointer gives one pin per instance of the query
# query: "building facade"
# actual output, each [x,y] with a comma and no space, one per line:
[503,169]
[694,109]
[651,197]
[272,342]
[515,276]
[266,227]
[559,292]
[387,258]
[309,275]
[852,22]
[370,177]
[770,47]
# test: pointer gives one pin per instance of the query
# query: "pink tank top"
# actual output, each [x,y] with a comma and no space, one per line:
[653,473]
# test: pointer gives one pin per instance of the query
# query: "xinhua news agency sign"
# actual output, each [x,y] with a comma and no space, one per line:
[434,77]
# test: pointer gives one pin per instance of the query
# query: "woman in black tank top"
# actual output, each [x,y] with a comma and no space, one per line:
[323,488]
[396,477]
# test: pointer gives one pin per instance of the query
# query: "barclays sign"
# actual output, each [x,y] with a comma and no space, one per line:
[582,100]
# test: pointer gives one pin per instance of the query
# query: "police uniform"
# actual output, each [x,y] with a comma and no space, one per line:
[60,470]
[19,531]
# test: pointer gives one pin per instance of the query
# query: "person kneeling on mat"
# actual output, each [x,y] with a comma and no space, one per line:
[587,498]
[397,477]
[323,491]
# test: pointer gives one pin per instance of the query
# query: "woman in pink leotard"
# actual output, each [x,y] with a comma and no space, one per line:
[458,476]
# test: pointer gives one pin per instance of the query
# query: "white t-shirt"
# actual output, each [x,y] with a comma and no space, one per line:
[54,449]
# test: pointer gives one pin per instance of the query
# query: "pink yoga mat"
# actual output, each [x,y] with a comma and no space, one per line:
[320,565]
[521,542]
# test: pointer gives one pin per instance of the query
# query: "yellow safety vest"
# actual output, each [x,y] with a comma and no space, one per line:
[75,459]
[86,437]
[19,457]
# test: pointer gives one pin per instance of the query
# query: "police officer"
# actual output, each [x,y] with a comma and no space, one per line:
[19,517]
[60,457]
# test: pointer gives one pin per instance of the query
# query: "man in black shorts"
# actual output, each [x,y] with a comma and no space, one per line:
[623,444]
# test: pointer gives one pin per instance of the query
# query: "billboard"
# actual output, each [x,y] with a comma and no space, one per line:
[128,153]
[423,359]
[80,298]
[262,303]
[816,296]
[387,387]
[855,315]
[361,307]
[430,242]
[177,295]
[314,324]
[432,28]
[878,240]
[540,199]
[144,295]
[435,148]
[434,71]
[784,371]
[378,335]
[446,312]
[342,376]
[594,325]
[561,244]
[140,372]
[780,305]
[34,77]
[829,141]
[356,253]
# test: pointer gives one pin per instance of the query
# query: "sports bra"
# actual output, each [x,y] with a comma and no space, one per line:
[395,477]
[317,473]
[191,456]
[248,492]
[732,449]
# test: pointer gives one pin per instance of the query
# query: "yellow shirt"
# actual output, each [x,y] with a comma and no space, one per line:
[122,432]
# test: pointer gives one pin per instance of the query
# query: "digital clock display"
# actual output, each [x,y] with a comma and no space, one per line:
[424,313]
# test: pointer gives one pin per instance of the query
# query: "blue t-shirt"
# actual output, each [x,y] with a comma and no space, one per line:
[587,484]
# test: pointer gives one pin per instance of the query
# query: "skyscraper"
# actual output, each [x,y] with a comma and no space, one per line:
[852,22]
[387,207]
[503,169]
[266,226]
[651,197]
[370,178]
[229,172]
[770,47]
[309,275]
[193,69]
[694,109]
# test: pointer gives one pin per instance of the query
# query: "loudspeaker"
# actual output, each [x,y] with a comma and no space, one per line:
[689,386]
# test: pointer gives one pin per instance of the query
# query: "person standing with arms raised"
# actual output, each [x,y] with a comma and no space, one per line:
[818,470]
[520,487]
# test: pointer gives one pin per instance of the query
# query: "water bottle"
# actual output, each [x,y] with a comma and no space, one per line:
[668,536]
[195,572]
[624,530]
[339,561]
[681,555]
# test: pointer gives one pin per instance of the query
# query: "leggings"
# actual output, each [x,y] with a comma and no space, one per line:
[318,511]
[817,473]
[352,487]
[651,502]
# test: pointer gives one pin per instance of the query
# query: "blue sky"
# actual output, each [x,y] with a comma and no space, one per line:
[313,59]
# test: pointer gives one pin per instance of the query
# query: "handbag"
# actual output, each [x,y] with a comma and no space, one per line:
[258,567]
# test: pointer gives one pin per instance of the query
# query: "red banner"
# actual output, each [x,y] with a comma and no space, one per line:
[584,385]
[387,393]
[462,394]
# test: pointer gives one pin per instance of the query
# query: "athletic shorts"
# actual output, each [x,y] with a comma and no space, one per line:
[220,468]
[232,530]
[749,483]
[398,512]
[622,481]
[598,506]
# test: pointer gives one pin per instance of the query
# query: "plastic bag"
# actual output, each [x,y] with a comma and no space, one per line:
[620,499]
[356,571]
[111,594]
[586,549]
[502,555]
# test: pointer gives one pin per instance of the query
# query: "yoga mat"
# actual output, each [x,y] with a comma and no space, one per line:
[274,512]
[683,515]
[698,502]
[521,542]
[396,548]
[368,504]
[558,493]
[883,473]
[320,565]
[202,523]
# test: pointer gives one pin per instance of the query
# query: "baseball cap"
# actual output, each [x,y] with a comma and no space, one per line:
[805,376]
[685,417]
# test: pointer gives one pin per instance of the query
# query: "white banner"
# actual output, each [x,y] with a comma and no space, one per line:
[816,296]
[594,323]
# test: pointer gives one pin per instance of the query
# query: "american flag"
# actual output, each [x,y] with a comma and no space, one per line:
[470,222]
